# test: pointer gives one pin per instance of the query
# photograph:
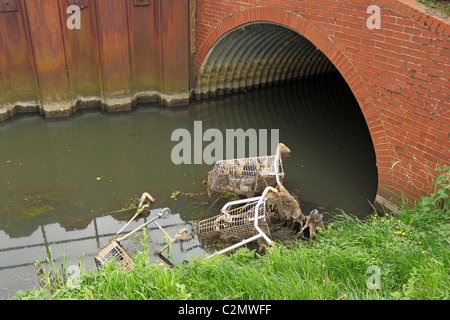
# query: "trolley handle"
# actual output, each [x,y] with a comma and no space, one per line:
[267,189]
[277,162]
[164,214]
[262,199]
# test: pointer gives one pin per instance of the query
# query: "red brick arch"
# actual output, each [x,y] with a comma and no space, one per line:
[323,43]
[400,99]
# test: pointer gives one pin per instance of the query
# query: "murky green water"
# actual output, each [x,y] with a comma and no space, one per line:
[59,179]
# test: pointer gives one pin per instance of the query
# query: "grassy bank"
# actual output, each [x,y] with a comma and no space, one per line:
[386,256]
[441,5]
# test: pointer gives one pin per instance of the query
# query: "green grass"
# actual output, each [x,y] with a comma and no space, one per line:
[442,5]
[406,254]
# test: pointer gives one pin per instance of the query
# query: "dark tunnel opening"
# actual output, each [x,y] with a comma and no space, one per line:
[333,163]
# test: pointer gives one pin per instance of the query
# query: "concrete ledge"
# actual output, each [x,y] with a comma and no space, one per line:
[383,203]
[115,104]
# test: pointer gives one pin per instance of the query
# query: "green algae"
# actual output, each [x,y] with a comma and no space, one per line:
[32,202]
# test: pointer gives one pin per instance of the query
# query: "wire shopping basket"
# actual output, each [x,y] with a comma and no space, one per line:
[114,252]
[249,221]
[248,175]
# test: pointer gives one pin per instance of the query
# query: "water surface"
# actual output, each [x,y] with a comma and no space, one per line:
[61,179]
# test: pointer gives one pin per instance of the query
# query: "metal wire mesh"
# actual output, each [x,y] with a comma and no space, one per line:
[240,226]
[244,174]
[114,252]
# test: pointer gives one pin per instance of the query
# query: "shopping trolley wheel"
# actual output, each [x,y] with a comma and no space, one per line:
[183,234]
[166,213]
[314,213]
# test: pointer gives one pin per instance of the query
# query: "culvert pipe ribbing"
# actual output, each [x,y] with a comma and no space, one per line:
[257,55]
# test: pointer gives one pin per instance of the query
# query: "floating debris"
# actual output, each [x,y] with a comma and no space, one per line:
[285,209]
[253,220]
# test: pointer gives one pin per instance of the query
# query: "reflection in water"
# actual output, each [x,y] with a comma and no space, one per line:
[17,256]
[61,178]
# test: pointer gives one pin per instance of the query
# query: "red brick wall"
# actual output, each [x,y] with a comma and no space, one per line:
[399,74]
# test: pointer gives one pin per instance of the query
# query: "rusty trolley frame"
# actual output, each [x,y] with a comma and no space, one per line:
[249,221]
[248,175]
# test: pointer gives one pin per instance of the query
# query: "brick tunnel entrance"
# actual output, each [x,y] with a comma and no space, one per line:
[260,55]
[256,55]
[397,74]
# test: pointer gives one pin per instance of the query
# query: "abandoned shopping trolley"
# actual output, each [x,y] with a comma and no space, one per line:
[248,176]
[114,252]
[249,221]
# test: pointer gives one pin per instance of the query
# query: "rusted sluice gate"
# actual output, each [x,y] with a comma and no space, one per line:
[122,52]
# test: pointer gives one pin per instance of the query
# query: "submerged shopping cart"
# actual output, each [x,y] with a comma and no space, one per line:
[248,176]
[246,222]
[114,251]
